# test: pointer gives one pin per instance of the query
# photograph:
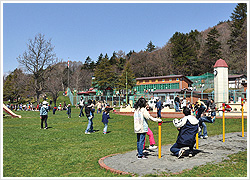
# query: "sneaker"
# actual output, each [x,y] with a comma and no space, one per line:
[142,157]
[201,137]
[205,137]
[151,147]
[181,153]
[190,155]
[45,128]
[87,132]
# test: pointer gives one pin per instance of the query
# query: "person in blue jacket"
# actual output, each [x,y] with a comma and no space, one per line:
[44,114]
[187,127]
[105,117]
[159,107]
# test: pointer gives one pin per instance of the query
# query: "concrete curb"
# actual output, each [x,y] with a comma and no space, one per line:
[104,166]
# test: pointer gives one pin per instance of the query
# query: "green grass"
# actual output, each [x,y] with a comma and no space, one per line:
[65,151]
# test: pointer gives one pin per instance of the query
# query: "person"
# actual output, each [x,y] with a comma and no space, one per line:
[184,102]
[69,111]
[187,127]
[54,110]
[99,107]
[168,102]
[150,135]
[81,105]
[141,115]
[44,114]
[89,111]
[105,117]
[159,107]
[177,103]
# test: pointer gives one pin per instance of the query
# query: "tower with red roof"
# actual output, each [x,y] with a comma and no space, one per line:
[220,82]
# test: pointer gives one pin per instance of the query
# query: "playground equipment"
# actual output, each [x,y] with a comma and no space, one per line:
[242,112]
[7,110]
[159,140]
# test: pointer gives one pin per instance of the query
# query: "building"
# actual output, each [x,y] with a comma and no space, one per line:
[150,84]
[237,81]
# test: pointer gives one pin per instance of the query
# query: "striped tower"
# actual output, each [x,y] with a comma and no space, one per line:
[220,82]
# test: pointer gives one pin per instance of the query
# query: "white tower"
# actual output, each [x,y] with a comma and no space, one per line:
[220,82]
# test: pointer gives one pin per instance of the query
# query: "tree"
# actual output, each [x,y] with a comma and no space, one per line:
[212,50]
[238,17]
[150,47]
[184,53]
[54,81]
[36,59]
[15,85]
[128,74]
[105,75]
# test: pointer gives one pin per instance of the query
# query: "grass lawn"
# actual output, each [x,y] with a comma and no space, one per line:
[64,150]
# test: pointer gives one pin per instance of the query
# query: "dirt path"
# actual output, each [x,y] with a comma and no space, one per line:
[210,150]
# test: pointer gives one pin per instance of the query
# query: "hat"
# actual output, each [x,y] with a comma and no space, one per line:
[45,102]
[178,122]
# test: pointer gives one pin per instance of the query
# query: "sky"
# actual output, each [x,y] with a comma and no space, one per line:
[79,30]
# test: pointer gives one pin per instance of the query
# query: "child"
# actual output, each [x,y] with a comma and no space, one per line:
[54,110]
[105,117]
[69,111]
[187,127]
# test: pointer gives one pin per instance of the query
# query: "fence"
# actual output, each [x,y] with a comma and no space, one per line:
[234,96]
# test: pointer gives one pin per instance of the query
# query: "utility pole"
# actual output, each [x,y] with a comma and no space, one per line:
[126,87]
[68,72]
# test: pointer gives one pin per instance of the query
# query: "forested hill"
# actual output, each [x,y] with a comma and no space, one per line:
[194,53]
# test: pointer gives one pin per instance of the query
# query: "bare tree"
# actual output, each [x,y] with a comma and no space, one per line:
[36,59]
[54,81]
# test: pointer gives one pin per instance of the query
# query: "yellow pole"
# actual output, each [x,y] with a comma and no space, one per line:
[242,110]
[159,140]
[223,108]
[197,141]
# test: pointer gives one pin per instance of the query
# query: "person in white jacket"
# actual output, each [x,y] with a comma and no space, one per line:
[141,115]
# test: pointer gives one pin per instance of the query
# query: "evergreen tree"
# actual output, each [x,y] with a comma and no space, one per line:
[99,59]
[184,53]
[150,47]
[239,16]
[105,75]
[113,59]
[212,50]
[87,62]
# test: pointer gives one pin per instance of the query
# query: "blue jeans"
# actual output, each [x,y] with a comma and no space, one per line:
[105,128]
[159,113]
[204,127]
[140,142]
[81,113]
[90,125]
[177,109]
[177,147]
[207,119]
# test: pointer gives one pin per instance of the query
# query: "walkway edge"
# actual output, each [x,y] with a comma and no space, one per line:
[104,166]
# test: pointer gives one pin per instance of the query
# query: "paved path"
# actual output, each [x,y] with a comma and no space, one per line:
[210,150]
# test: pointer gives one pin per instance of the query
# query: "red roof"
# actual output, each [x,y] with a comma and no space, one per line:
[220,63]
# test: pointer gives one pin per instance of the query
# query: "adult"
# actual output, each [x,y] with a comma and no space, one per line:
[81,105]
[44,114]
[187,127]
[168,101]
[89,111]
[141,115]
[159,107]
[177,103]
[99,107]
